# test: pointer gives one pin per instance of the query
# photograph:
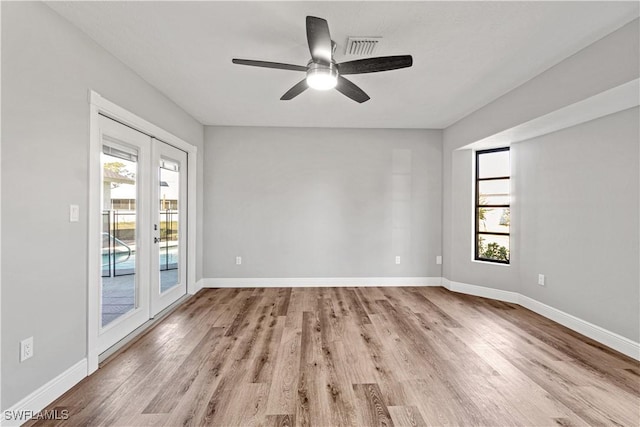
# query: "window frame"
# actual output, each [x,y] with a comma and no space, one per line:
[476,232]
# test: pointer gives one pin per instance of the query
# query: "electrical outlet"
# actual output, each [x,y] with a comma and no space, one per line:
[397,260]
[439,259]
[541,279]
[238,260]
[74,213]
[26,349]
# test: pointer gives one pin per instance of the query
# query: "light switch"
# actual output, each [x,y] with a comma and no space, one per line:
[74,213]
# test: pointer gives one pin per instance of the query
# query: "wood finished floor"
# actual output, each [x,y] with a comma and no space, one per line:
[356,356]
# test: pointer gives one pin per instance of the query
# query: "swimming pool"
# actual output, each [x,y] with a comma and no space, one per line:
[124,262]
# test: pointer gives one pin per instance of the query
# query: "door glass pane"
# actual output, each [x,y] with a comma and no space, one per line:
[169,192]
[119,194]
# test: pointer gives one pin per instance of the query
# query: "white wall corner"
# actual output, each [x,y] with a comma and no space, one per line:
[299,282]
[22,411]
[199,285]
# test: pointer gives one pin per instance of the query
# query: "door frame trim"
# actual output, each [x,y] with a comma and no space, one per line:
[98,105]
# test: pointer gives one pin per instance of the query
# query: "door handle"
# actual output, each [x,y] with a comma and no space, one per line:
[156,240]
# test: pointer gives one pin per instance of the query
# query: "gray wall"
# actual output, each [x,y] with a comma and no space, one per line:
[575,209]
[48,66]
[578,199]
[297,202]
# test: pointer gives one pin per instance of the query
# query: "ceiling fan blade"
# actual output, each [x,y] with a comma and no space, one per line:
[300,87]
[350,90]
[267,64]
[319,39]
[374,65]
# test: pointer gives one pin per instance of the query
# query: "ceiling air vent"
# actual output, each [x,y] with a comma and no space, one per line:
[362,46]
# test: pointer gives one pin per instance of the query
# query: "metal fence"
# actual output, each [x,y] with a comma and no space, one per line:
[119,237]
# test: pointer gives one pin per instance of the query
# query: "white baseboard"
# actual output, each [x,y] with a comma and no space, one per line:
[295,282]
[610,339]
[481,291]
[28,407]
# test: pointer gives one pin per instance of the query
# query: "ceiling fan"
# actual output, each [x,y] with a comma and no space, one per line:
[323,73]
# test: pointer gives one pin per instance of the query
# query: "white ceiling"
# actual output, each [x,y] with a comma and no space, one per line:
[466,54]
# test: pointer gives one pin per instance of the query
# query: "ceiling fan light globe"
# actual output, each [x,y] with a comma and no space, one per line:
[321,76]
[322,81]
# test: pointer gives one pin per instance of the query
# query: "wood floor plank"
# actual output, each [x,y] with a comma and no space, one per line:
[246,307]
[355,357]
[356,308]
[406,416]
[368,351]
[284,300]
[284,383]
[533,402]
[191,407]
[371,408]
[280,420]
[573,396]
[178,383]
[368,296]
[338,389]
[267,351]
[311,407]
[246,407]
[358,365]
[294,311]
[430,312]
[332,323]
[399,360]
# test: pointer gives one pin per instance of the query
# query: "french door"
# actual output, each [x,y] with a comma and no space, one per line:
[143,256]
[168,264]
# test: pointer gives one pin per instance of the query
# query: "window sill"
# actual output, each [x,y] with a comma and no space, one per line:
[499,264]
